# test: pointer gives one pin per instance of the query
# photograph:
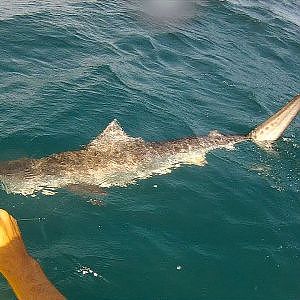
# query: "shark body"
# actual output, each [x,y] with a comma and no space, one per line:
[116,159]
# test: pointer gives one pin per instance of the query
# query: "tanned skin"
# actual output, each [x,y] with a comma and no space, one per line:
[22,272]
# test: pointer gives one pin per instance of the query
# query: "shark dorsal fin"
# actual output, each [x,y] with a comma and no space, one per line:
[112,134]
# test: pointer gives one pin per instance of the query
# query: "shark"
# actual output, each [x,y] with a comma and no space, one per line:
[116,159]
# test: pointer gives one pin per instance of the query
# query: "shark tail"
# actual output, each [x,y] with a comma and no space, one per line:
[273,128]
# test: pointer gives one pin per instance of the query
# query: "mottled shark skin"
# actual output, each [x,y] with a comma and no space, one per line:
[116,159]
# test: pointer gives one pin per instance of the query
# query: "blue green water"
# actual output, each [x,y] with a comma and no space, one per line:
[229,230]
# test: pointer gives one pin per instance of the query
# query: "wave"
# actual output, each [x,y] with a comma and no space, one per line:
[285,10]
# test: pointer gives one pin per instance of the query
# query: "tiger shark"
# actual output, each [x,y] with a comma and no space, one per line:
[115,159]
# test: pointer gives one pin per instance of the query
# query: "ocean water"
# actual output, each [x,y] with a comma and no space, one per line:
[165,69]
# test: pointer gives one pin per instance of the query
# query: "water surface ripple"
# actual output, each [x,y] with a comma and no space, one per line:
[229,230]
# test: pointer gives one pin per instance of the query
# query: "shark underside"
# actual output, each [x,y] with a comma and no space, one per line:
[116,159]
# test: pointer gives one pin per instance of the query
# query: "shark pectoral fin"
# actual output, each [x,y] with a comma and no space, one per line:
[87,189]
[48,192]
[229,147]
[197,160]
